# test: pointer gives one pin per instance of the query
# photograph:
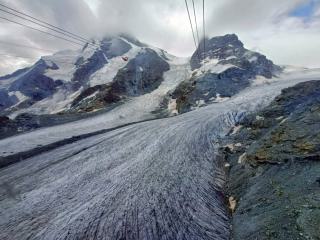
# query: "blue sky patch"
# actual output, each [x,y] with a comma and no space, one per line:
[304,10]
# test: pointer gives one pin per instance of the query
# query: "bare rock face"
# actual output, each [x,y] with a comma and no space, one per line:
[95,98]
[5,100]
[209,87]
[141,75]
[276,184]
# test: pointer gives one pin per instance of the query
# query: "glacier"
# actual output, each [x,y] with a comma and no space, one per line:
[125,173]
[159,179]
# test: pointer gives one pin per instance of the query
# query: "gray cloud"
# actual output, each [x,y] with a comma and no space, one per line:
[263,25]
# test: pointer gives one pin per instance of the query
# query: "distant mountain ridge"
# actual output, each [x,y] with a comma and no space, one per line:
[121,68]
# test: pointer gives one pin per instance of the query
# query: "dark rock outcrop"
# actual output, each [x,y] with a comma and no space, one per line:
[95,98]
[86,69]
[6,100]
[209,87]
[7,127]
[141,75]
[274,168]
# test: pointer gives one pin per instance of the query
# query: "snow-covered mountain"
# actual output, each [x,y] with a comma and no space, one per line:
[121,67]
[115,175]
[122,73]
[227,67]
[53,83]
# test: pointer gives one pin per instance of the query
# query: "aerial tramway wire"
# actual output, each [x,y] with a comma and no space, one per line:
[204,36]
[48,24]
[196,22]
[194,38]
[42,25]
[35,29]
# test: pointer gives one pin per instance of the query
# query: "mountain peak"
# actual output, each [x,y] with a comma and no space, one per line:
[229,50]
[228,39]
[220,47]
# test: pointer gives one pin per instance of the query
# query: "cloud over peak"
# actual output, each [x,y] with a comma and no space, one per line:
[277,27]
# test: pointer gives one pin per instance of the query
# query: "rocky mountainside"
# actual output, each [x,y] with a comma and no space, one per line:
[225,68]
[70,85]
[273,160]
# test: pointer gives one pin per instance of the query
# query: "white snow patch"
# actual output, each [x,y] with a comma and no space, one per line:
[231,57]
[210,61]
[283,121]
[21,97]
[242,158]
[259,118]
[172,107]
[221,68]
[236,129]
[200,103]
[253,59]
[280,118]
[213,65]
[260,80]
[219,99]
[90,96]
[238,145]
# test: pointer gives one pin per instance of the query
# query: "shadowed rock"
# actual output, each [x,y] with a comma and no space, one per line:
[274,169]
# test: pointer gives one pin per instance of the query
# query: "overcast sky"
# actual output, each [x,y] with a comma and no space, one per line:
[287,31]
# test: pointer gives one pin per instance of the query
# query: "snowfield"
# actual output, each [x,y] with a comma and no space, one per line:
[152,180]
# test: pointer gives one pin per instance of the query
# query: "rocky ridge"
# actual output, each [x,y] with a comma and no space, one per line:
[273,162]
[224,69]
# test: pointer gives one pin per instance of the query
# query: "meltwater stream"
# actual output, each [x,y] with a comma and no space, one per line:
[152,180]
